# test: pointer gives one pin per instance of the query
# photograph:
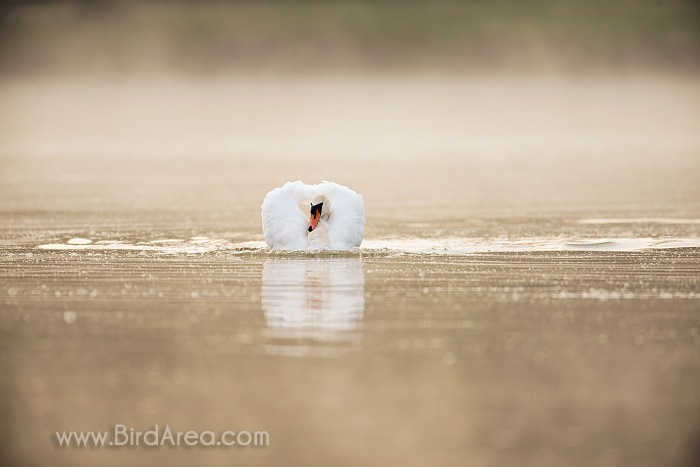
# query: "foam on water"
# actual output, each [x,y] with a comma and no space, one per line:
[446,246]
[640,220]
[194,245]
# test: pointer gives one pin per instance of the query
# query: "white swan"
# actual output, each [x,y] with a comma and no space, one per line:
[326,216]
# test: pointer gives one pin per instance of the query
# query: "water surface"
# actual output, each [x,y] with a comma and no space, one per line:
[524,300]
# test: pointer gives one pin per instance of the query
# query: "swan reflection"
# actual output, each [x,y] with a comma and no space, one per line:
[313,306]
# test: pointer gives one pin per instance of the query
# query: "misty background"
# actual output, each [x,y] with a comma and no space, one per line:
[110,36]
[501,107]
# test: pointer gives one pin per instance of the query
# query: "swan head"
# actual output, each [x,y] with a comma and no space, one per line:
[320,207]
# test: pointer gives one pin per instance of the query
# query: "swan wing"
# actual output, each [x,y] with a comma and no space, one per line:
[284,224]
[346,223]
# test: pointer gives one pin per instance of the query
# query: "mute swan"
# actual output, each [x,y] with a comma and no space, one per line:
[326,216]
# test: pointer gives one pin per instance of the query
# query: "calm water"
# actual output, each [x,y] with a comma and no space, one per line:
[534,301]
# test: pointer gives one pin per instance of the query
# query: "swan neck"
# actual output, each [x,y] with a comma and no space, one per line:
[318,238]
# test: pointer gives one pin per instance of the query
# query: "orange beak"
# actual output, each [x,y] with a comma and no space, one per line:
[313,221]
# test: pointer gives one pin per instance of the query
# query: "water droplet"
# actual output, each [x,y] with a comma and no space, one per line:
[70,316]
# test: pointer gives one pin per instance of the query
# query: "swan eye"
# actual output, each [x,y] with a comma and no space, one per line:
[317,208]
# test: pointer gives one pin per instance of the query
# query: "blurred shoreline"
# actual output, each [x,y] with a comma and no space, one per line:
[349,37]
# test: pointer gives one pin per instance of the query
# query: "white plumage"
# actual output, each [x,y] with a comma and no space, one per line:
[285,217]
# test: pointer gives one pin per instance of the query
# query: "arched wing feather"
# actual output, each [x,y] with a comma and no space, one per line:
[346,224]
[284,224]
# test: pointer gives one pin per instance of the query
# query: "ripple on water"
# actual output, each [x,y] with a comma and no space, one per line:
[444,246]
